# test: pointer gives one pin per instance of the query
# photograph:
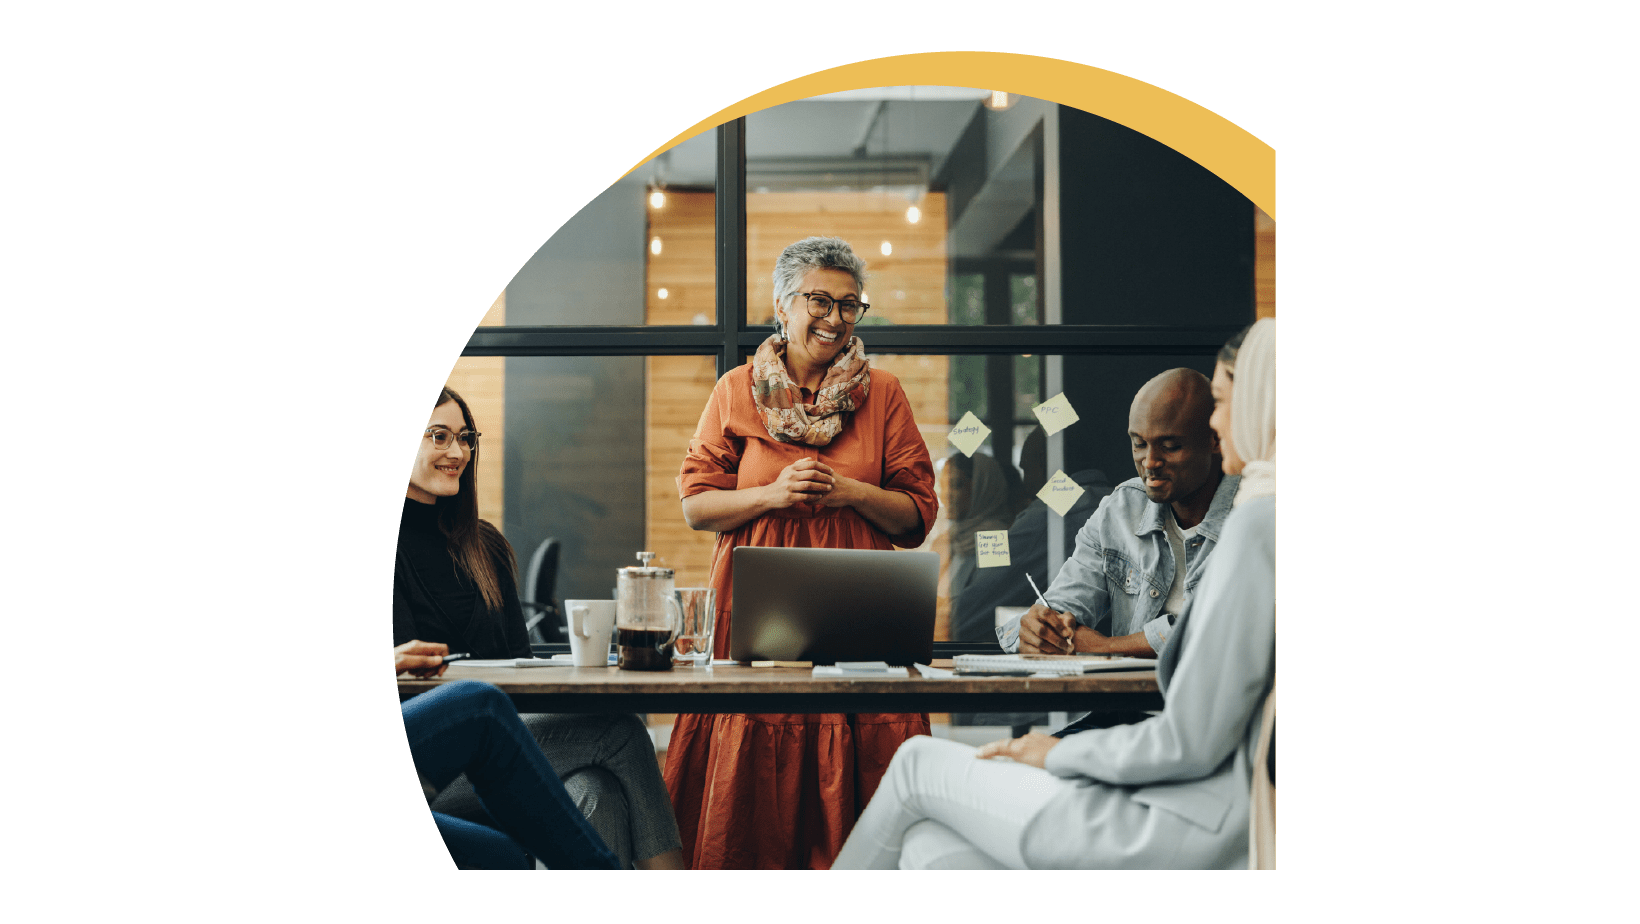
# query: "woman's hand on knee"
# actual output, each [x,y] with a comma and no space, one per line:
[1029,749]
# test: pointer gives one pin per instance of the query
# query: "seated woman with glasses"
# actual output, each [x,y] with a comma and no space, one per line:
[455,581]
[808,446]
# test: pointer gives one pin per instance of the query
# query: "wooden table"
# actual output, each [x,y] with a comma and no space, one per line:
[732,688]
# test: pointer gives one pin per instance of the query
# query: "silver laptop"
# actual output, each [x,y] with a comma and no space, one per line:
[829,605]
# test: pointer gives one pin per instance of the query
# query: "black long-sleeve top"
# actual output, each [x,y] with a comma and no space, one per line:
[435,602]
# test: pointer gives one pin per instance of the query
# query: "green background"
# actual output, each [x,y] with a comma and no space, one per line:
[245,248]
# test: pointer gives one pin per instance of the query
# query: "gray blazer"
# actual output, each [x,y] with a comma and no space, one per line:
[1173,791]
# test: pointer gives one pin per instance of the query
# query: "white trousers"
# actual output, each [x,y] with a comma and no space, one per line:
[939,807]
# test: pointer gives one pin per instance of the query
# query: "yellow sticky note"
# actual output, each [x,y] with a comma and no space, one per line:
[1055,413]
[968,433]
[1060,493]
[991,548]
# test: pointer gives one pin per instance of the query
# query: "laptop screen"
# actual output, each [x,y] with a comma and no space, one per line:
[829,605]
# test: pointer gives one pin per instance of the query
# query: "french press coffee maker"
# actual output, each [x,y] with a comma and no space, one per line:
[647,616]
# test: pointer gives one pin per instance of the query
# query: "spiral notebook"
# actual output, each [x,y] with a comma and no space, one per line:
[1066,665]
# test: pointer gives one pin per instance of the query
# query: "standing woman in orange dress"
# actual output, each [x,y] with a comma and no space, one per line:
[805,447]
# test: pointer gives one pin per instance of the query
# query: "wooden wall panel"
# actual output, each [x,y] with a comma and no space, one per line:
[686,266]
[1264,263]
[678,387]
[906,287]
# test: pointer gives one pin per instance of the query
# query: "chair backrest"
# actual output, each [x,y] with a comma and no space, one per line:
[539,587]
[541,579]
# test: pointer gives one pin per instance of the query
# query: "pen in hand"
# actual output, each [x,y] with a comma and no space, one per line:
[1070,646]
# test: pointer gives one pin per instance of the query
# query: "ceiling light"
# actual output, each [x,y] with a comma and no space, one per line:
[999,99]
[661,294]
[655,246]
[887,248]
[913,214]
[657,199]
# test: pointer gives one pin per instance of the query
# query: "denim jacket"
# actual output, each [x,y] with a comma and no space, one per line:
[1117,580]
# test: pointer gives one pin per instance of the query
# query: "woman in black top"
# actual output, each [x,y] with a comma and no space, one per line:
[455,581]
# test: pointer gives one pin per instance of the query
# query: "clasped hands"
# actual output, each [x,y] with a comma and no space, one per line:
[810,481]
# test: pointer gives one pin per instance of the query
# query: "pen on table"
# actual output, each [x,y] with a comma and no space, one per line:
[456,657]
[1070,647]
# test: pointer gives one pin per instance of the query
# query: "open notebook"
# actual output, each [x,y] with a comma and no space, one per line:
[1049,664]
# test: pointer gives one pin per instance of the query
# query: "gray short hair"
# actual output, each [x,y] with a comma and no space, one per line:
[809,254]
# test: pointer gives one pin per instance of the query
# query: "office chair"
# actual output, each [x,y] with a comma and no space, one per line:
[543,617]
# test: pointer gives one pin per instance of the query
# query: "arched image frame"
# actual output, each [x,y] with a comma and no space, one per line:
[1233,154]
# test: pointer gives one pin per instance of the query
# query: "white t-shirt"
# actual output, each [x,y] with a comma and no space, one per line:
[1176,538]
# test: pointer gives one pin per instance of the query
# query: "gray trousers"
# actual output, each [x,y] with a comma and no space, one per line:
[608,767]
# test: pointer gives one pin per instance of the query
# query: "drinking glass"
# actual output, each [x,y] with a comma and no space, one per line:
[694,644]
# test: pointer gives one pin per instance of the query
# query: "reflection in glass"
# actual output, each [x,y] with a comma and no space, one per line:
[999,490]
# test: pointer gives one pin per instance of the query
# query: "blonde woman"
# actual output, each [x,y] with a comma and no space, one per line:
[1171,791]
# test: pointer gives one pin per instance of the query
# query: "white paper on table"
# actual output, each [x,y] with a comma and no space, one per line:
[1060,493]
[565,659]
[1055,413]
[991,548]
[833,670]
[513,662]
[968,433]
[936,673]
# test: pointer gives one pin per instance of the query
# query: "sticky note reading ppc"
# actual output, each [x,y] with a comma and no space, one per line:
[1055,413]
[1060,493]
[991,548]
[968,433]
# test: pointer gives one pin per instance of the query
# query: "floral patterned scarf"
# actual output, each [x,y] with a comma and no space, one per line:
[779,400]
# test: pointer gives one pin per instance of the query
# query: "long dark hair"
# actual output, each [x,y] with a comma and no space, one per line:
[474,544]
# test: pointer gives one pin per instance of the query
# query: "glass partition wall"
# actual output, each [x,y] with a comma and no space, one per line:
[1016,250]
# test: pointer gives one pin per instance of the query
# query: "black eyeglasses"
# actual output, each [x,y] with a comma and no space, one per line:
[820,307]
[441,438]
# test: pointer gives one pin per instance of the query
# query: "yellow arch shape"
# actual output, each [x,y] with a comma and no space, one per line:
[1234,155]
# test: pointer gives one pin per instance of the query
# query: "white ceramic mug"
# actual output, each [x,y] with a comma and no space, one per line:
[591,622]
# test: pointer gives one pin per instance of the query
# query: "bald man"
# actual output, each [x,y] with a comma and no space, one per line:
[1139,556]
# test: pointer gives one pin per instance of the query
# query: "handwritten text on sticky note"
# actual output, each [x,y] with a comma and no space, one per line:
[991,548]
[968,433]
[1060,493]
[1055,413]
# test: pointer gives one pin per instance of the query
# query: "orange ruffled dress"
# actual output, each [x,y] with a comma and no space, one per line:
[782,791]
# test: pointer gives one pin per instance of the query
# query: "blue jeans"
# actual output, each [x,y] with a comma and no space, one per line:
[471,727]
